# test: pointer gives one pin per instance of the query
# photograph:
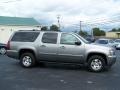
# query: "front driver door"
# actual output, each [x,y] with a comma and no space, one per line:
[68,51]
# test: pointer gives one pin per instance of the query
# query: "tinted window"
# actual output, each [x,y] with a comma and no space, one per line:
[50,38]
[68,39]
[102,41]
[118,41]
[111,41]
[25,36]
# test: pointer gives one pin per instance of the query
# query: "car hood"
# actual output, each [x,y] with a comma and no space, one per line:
[99,47]
[107,45]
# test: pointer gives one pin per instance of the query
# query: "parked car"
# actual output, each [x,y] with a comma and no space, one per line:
[117,42]
[106,42]
[90,38]
[2,48]
[58,47]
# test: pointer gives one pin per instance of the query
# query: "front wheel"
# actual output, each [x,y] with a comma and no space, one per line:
[27,60]
[96,63]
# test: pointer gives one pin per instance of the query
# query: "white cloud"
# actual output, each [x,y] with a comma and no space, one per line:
[71,11]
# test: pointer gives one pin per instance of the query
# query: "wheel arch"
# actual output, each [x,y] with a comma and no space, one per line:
[21,51]
[96,53]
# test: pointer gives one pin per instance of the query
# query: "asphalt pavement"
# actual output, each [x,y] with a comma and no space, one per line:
[56,77]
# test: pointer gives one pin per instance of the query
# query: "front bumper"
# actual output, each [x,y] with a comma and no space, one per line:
[111,60]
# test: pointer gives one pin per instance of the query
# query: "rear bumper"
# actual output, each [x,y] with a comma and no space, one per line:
[12,54]
[111,60]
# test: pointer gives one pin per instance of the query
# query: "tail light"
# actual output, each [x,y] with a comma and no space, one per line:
[8,45]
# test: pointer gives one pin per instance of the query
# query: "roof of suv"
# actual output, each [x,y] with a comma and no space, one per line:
[35,31]
[42,31]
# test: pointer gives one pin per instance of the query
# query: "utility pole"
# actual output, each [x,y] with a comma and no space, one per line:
[58,18]
[80,26]
[92,33]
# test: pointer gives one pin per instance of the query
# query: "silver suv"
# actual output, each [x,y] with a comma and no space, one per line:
[31,47]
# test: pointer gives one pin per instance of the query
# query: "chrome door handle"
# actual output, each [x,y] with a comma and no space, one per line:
[42,46]
[62,47]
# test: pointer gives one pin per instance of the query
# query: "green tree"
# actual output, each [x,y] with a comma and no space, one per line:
[118,29]
[114,30]
[83,33]
[44,28]
[54,28]
[102,33]
[98,32]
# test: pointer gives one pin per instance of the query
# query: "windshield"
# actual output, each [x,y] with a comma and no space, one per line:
[118,41]
[84,40]
[102,41]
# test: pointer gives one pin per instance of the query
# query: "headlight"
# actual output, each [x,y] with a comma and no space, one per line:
[112,52]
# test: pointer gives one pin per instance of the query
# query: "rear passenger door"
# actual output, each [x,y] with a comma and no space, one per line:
[48,47]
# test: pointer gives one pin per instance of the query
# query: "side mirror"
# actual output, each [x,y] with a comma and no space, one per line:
[77,43]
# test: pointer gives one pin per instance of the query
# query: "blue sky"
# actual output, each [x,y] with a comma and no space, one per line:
[93,13]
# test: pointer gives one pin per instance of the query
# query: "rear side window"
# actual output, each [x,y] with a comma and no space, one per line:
[50,38]
[25,36]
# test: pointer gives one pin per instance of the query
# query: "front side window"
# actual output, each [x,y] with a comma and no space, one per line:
[68,39]
[50,38]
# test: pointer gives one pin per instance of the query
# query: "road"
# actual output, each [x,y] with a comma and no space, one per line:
[56,77]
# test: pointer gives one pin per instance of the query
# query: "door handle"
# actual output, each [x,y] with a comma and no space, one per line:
[62,47]
[42,46]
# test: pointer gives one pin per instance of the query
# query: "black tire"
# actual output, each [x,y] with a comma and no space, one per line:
[96,63]
[31,60]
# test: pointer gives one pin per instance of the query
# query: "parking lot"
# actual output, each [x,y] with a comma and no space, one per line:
[56,77]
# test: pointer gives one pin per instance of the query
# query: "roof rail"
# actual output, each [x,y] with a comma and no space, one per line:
[30,30]
[39,30]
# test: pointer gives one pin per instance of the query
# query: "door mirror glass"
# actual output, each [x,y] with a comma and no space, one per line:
[77,43]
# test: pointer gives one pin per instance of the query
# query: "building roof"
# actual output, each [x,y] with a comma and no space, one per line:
[113,32]
[18,21]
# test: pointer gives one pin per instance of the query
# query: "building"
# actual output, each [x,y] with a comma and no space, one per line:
[8,25]
[113,34]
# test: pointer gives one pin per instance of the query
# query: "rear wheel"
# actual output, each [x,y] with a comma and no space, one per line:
[96,63]
[27,60]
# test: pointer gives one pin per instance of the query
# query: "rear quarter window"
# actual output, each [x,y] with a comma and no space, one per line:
[25,36]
